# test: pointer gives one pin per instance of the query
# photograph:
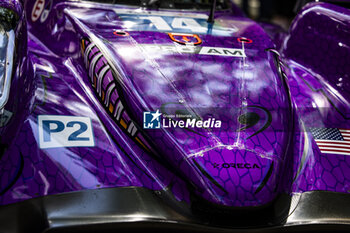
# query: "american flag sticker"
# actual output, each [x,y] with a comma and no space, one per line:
[332,140]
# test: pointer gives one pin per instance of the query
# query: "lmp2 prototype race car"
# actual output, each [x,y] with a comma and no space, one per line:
[177,115]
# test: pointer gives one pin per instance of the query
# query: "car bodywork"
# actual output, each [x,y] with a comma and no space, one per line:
[254,120]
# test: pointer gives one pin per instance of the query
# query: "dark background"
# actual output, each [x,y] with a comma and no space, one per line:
[276,11]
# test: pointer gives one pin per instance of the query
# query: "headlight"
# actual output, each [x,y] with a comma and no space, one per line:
[7,50]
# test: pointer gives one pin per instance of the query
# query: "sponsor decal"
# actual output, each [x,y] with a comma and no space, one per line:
[236,165]
[227,52]
[65,131]
[46,11]
[153,120]
[41,9]
[172,22]
[212,51]
[258,117]
[187,39]
[38,9]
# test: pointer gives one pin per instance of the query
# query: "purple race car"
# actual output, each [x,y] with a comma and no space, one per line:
[176,115]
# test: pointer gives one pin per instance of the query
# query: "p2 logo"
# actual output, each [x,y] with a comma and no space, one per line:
[65,131]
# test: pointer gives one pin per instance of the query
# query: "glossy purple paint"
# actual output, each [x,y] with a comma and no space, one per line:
[317,52]
[263,147]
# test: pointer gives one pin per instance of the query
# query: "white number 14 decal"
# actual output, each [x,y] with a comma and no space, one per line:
[177,23]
